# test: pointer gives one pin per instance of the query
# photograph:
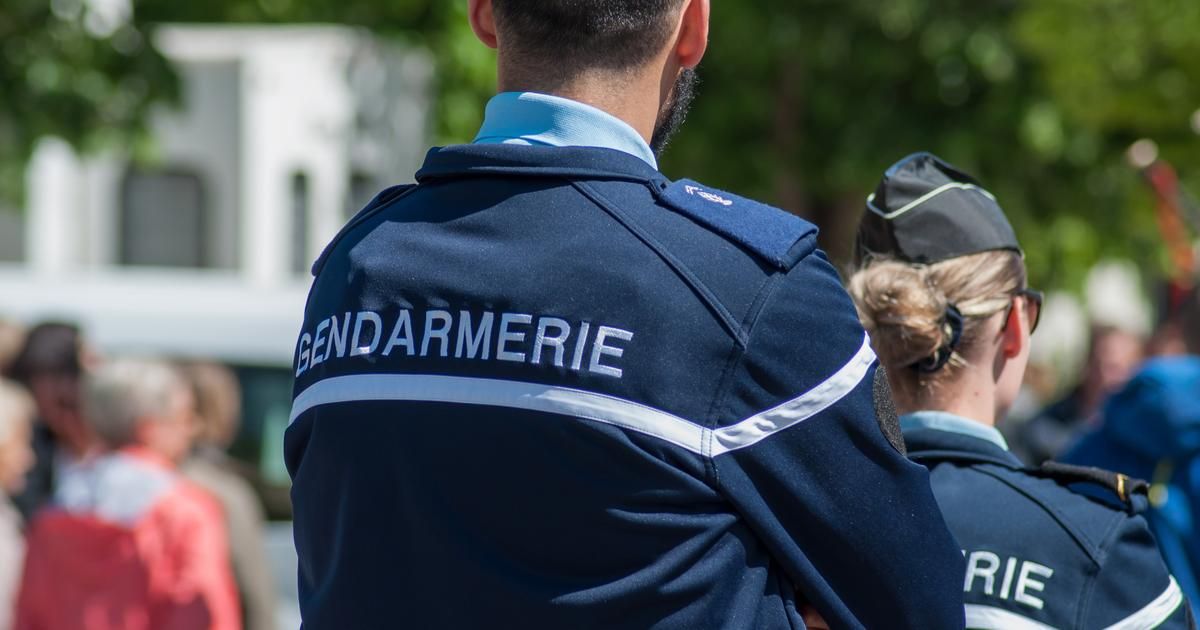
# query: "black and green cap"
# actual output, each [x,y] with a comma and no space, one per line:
[926,211]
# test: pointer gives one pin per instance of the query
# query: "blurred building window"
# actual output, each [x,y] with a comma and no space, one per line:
[266,407]
[12,235]
[300,228]
[163,219]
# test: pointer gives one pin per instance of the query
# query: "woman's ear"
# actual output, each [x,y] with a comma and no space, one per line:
[483,22]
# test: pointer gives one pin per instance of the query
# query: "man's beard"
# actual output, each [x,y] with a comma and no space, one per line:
[675,111]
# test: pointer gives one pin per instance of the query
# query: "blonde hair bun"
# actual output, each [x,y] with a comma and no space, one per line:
[903,309]
[904,305]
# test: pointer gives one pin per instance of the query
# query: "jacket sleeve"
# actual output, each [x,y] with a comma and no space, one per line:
[1133,588]
[800,452]
[200,590]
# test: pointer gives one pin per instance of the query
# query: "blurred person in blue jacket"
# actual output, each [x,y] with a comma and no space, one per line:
[942,287]
[1151,430]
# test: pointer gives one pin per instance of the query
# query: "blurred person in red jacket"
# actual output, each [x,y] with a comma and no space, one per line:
[127,543]
[16,457]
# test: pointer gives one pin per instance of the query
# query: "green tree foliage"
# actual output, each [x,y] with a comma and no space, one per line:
[808,102]
[804,102]
[86,75]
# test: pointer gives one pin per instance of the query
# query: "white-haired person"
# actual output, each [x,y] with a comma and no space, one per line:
[941,286]
[16,458]
[127,543]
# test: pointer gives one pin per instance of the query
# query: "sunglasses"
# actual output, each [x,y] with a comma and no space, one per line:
[1033,306]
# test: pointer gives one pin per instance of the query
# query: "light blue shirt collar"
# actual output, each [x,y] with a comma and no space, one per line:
[942,421]
[540,119]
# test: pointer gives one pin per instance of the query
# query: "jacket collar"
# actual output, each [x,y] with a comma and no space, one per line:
[511,160]
[530,118]
[954,424]
[928,445]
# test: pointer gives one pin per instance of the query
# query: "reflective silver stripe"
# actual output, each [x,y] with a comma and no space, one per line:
[588,405]
[508,394]
[1155,613]
[989,618]
[756,428]
[926,197]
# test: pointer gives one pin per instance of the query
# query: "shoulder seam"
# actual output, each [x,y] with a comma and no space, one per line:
[1082,540]
[712,420]
[379,203]
[1103,547]
[706,295]
[725,385]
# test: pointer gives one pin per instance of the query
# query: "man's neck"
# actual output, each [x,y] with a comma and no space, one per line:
[635,98]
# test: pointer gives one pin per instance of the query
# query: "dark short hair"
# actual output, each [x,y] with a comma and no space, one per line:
[53,349]
[580,34]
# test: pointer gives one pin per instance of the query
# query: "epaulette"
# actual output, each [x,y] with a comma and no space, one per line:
[778,237]
[1131,492]
[381,201]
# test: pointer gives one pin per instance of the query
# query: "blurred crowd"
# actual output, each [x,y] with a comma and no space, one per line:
[1111,356]
[119,506]
[1135,409]
[1066,397]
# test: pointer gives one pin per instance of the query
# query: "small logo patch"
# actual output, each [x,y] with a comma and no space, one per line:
[704,194]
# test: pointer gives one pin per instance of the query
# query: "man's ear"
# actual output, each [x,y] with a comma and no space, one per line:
[1014,335]
[693,33]
[483,21]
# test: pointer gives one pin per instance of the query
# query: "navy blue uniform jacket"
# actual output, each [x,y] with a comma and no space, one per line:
[548,388]
[1040,555]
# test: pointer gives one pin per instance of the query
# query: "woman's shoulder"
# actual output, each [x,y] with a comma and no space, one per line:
[987,494]
[1091,505]
[1122,574]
